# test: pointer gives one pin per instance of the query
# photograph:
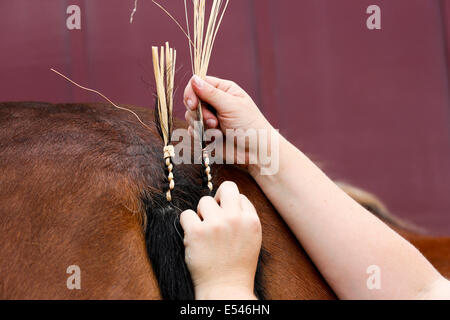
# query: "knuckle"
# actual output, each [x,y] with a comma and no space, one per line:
[244,198]
[232,84]
[248,204]
[195,232]
[210,89]
[212,92]
[203,202]
[234,220]
[230,186]
[184,215]
[216,227]
[254,223]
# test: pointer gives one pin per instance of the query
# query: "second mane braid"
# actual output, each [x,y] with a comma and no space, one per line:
[164,67]
[200,50]
[204,33]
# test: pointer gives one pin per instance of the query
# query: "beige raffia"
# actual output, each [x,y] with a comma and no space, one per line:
[164,68]
[200,49]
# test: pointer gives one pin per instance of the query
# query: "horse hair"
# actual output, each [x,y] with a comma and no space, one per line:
[98,138]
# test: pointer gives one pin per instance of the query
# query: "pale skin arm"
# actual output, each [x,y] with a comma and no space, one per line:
[341,237]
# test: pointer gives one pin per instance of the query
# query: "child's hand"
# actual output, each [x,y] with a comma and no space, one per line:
[234,108]
[222,245]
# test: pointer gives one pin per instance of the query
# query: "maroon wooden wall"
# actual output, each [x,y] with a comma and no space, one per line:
[371,106]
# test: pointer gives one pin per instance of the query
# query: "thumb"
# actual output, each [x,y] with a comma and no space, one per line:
[217,98]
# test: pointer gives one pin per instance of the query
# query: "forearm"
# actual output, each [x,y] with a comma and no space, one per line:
[341,237]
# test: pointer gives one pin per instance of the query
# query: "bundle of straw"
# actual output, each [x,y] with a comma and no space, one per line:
[201,48]
[164,68]
[200,51]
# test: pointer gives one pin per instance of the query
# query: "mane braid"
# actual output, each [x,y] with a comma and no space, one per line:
[203,45]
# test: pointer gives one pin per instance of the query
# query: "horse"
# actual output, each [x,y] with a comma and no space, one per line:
[83,185]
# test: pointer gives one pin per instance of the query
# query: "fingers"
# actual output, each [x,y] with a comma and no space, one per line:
[249,211]
[246,205]
[210,119]
[190,98]
[208,208]
[229,197]
[189,219]
[220,84]
[203,90]
[219,94]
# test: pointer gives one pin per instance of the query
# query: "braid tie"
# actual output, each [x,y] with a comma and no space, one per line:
[207,170]
[169,153]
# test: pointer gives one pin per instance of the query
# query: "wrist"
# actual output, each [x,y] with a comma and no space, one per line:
[268,154]
[225,292]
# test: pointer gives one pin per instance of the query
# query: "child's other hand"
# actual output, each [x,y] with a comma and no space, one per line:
[222,243]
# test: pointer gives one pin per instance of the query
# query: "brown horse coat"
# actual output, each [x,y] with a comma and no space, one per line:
[71,183]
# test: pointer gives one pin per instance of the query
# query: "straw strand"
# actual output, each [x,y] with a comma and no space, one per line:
[203,47]
[200,49]
[164,60]
[101,95]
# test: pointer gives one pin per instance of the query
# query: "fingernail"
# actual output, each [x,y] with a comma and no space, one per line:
[211,123]
[198,82]
[190,104]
